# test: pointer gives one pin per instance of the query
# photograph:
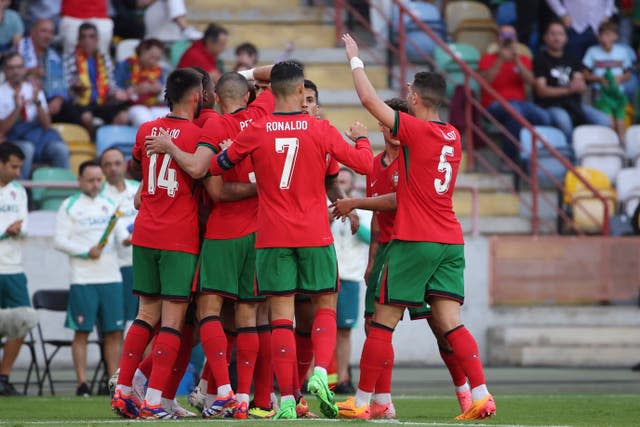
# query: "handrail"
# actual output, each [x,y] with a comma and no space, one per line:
[50,184]
[470,73]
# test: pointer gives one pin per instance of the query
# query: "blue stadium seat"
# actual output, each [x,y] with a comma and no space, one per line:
[418,42]
[122,137]
[546,160]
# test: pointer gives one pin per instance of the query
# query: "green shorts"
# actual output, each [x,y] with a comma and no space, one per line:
[13,291]
[287,271]
[227,268]
[165,274]
[347,308]
[413,272]
[90,304]
[415,313]
[130,300]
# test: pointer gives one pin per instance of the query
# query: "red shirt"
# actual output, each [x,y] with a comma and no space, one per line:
[197,56]
[383,180]
[205,114]
[428,163]
[333,167]
[508,81]
[168,216]
[231,220]
[83,9]
[288,151]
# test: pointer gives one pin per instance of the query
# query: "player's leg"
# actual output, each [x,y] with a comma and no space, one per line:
[263,373]
[304,346]
[169,402]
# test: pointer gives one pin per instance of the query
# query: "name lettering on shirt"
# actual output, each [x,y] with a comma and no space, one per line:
[291,125]
[173,133]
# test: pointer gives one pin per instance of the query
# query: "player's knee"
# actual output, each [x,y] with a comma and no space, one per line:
[325,301]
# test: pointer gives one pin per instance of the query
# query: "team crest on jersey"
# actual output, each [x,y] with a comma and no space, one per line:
[449,136]
[13,195]
[394,179]
[105,209]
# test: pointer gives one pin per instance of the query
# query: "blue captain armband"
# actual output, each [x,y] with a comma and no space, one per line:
[224,162]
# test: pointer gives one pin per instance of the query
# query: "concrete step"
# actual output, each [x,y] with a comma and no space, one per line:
[343,116]
[565,336]
[498,225]
[485,181]
[223,6]
[489,204]
[307,15]
[605,356]
[321,55]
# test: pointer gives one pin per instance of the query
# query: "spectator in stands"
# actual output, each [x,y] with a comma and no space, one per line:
[42,9]
[560,83]
[582,18]
[11,27]
[128,18]
[13,282]
[143,78]
[205,53]
[89,76]
[25,120]
[508,73]
[75,13]
[246,56]
[166,20]
[44,64]
[95,294]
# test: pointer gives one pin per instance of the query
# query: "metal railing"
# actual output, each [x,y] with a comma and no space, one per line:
[399,52]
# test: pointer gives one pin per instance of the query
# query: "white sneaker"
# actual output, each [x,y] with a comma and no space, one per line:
[191,33]
[180,412]
[197,399]
[139,390]
[113,381]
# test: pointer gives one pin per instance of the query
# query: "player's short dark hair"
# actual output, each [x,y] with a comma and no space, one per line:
[179,83]
[248,48]
[213,32]
[398,104]
[285,77]
[554,21]
[7,150]
[207,83]
[608,26]
[308,84]
[87,26]
[231,85]
[87,164]
[9,56]
[110,149]
[147,44]
[430,87]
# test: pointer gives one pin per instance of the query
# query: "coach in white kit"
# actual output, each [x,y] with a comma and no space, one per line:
[95,296]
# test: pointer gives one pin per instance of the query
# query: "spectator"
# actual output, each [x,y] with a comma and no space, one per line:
[42,9]
[508,72]
[11,27]
[143,78]
[205,53]
[44,65]
[352,254]
[560,84]
[128,18]
[246,57]
[75,13]
[89,76]
[581,18]
[13,282]
[95,294]
[166,20]
[24,118]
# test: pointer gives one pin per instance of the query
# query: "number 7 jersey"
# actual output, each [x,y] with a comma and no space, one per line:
[168,216]
[429,160]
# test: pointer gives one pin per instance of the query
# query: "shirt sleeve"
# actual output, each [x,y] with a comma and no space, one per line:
[358,158]
[136,151]
[402,127]
[62,239]
[242,146]
[526,62]
[212,134]
[23,213]
[264,104]
[485,62]
[333,168]
[588,59]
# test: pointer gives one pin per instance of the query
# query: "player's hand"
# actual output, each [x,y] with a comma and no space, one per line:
[367,272]
[342,208]
[161,143]
[95,252]
[226,144]
[14,229]
[354,220]
[356,131]
[350,46]
[126,242]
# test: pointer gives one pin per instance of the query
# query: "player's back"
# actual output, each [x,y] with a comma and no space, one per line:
[383,180]
[168,216]
[429,162]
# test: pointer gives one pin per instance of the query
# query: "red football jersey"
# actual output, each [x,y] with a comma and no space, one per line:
[168,216]
[231,220]
[288,151]
[429,161]
[383,180]
[205,114]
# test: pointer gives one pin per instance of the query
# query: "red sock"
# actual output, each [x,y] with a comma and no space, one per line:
[465,349]
[165,354]
[212,387]
[180,367]
[323,336]
[247,353]
[283,354]
[457,373]
[232,339]
[147,363]
[383,385]
[214,344]
[377,355]
[263,373]
[304,350]
[138,337]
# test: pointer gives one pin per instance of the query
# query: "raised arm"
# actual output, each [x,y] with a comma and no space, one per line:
[358,158]
[366,92]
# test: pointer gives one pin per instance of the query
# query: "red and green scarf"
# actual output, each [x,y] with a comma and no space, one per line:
[141,75]
[102,78]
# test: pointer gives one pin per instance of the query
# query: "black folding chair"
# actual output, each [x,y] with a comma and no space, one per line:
[30,343]
[56,300]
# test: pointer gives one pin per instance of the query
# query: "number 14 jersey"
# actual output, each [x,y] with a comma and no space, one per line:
[168,216]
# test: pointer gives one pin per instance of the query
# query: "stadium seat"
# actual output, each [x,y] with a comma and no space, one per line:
[50,199]
[546,160]
[521,48]
[56,300]
[79,142]
[122,137]
[451,69]
[632,144]
[586,210]
[598,147]
[30,343]
[126,48]
[458,11]
[177,49]
[479,33]
[419,45]
[628,188]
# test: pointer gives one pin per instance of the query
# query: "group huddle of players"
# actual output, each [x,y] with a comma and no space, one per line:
[267,167]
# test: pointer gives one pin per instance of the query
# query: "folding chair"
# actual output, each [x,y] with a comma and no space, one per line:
[56,300]
[30,343]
